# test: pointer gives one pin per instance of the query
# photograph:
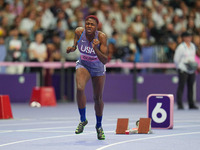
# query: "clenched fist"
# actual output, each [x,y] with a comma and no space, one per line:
[71,49]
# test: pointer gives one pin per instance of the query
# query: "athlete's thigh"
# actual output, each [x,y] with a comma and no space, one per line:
[82,77]
[98,85]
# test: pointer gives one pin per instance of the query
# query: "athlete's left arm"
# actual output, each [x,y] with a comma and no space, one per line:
[101,53]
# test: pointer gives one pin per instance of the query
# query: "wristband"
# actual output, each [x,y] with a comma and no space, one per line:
[74,46]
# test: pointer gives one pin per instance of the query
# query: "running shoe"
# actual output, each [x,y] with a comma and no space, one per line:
[81,126]
[100,133]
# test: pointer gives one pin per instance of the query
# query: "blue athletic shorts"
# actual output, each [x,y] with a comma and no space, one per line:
[94,71]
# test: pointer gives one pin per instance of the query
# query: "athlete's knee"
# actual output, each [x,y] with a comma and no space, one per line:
[80,88]
[98,99]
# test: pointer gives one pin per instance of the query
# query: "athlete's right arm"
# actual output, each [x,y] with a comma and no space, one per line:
[78,33]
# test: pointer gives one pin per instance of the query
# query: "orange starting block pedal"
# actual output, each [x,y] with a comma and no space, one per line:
[144,126]
[5,107]
[122,125]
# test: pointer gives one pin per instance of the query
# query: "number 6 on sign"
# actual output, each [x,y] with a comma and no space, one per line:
[160,110]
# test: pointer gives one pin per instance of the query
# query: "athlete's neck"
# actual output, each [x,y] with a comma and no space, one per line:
[90,37]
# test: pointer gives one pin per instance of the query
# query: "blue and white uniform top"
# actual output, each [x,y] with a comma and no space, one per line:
[88,57]
[183,55]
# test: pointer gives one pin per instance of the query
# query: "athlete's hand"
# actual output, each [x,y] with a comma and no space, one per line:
[95,43]
[70,49]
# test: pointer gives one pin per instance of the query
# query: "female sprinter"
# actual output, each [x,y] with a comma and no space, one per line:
[92,45]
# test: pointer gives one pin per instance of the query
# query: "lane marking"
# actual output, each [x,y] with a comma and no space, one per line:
[148,138]
[51,128]
[34,123]
[43,138]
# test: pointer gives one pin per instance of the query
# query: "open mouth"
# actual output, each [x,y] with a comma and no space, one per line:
[89,30]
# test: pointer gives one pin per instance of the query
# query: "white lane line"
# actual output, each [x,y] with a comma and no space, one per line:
[67,121]
[43,138]
[35,123]
[67,127]
[6,131]
[52,128]
[148,138]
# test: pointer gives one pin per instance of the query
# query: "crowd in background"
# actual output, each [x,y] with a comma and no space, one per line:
[137,30]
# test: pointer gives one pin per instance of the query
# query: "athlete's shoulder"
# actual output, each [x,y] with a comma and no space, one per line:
[79,30]
[102,35]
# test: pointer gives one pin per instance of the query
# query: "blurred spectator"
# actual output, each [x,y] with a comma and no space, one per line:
[17,21]
[116,14]
[16,7]
[59,30]
[123,24]
[132,47]
[157,16]
[53,56]
[107,27]
[143,39]
[69,41]
[8,14]
[191,26]
[94,7]
[112,45]
[137,26]
[147,49]
[66,7]
[56,7]
[196,40]
[127,9]
[137,9]
[16,46]
[175,3]
[179,26]
[27,24]
[5,26]
[37,49]
[103,12]
[197,13]
[84,9]
[48,21]
[37,52]
[79,18]
[171,47]
[36,29]
[16,51]
[64,20]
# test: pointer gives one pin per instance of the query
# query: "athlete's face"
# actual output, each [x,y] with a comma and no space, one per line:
[90,25]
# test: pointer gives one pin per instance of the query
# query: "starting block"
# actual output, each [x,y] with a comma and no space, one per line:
[43,96]
[5,107]
[143,126]
[122,125]
[160,108]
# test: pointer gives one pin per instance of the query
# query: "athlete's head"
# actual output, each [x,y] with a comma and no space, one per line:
[91,24]
[92,17]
